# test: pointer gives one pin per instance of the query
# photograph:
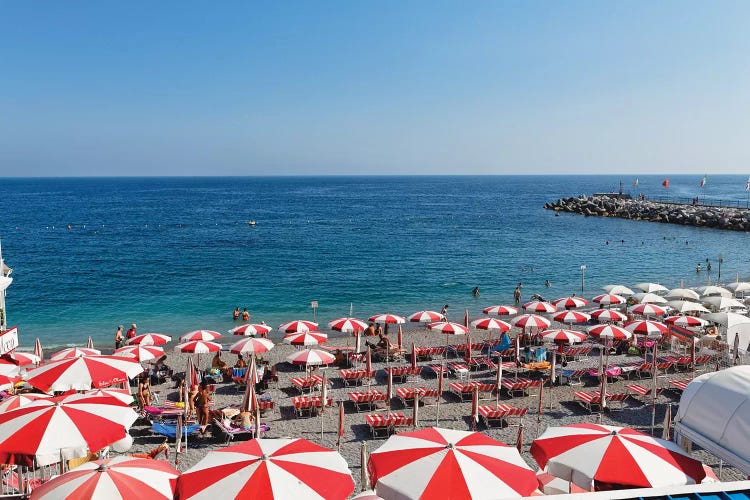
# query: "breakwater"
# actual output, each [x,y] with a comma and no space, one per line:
[624,207]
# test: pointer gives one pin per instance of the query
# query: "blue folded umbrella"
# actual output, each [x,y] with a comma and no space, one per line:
[171,430]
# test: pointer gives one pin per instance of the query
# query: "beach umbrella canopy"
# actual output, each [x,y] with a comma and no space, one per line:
[538,306]
[609,332]
[448,328]
[311,357]
[607,299]
[367,495]
[686,306]
[120,477]
[198,347]
[121,394]
[150,339]
[570,317]
[685,321]
[569,336]
[305,338]
[387,318]
[140,352]
[22,358]
[500,310]
[618,289]
[608,315]
[649,298]
[71,425]
[726,318]
[530,321]
[20,400]
[651,287]
[426,317]
[251,330]
[347,325]
[490,324]
[251,345]
[7,382]
[723,303]
[268,469]
[570,302]
[682,294]
[708,291]
[74,352]
[82,373]
[201,335]
[653,329]
[9,368]
[613,455]
[447,463]
[739,287]
[298,326]
[648,310]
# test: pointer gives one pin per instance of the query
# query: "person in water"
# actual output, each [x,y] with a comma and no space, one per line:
[236,314]
[245,315]
[475,292]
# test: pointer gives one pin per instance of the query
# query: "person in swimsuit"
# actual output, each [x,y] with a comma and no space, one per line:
[118,337]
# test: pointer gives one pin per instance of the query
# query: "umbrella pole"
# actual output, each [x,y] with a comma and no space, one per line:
[363,479]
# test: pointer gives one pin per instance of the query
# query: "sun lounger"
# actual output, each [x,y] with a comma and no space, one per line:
[428,353]
[308,405]
[680,385]
[642,392]
[303,384]
[355,377]
[702,361]
[160,413]
[385,423]
[170,431]
[516,387]
[463,391]
[574,376]
[368,399]
[406,395]
[498,415]
[617,400]
[400,374]
[230,432]
[588,400]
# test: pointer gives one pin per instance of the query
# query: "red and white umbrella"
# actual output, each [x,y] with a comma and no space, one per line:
[569,336]
[609,299]
[269,469]
[150,339]
[7,382]
[539,307]
[306,338]
[347,325]
[447,463]
[652,329]
[490,324]
[614,455]
[391,319]
[426,317]
[298,326]
[448,328]
[570,302]
[22,358]
[609,332]
[121,394]
[311,357]
[82,373]
[120,477]
[368,495]
[198,347]
[251,345]
[570,317]
[202,335]
[140,352]
[68,425]
[648,310]
[20,400]
[251,330]
[500,310]
[685,321]
[38,351]
[608,315]
[74,352]
[530,321]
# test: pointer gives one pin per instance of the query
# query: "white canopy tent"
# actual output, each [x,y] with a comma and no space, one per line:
[714,413]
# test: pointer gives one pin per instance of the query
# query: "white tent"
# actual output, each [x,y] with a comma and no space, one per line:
[714,413]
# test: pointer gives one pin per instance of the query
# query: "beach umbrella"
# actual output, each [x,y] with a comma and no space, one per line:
[140,352]
[648,310]
[607,299]
[200,335]
[649,298]
[685,321]
[490,324]
[74,352]
[609,332]
[298,326]
[121,394]
[120,477]
[7,382]
[90,343]
[723,303]
[726,318]
[569,336]
[448,328]
[682,294]
[618,289]
[570,317]
[305,338]
[552,485]
[251,345]
[651,287]
[368,495]
[347,325]
[150,339]
[268,469]
[387,319]
[539,307]
[251,330]
[20,400]
[530,321]
[38,351]
[22,358]
[500,310]
[613,455]
[570,302]
[413,355]
[198,347]
[69,425]
[250,399]
[342,428]
[707,291]
[652,329]
[447,463]
[311,357]
[686,306]
[82,373]
[191,376]
[400,338]
[426,317]
[9,368]
[739,287]
[608,315]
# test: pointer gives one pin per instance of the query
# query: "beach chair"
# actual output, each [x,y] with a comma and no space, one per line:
[401,422]
[645,370]
[355,377]
[617,400]
[680,385]
[702,362]
[380,424]
[462,391]
[574,376]
[494,415]
[516,387]
[459,369]
[516,413]
[641,392]
[662,367]
[588,400]
[230,432]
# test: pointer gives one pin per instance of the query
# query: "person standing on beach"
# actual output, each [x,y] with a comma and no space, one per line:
[118,337]
[517,295]
[131,331]
[370,330]
[444,311]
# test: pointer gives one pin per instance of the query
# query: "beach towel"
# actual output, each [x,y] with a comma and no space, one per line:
[171,430]
[503,345]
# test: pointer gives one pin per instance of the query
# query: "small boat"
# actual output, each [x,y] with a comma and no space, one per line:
[251,223]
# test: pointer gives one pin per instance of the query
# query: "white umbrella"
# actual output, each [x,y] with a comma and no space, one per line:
[682,294]
[723,303]
[707,291]
[618,289]
[686,306]
[651,287]
[649,298]
[727,319]
[739,287]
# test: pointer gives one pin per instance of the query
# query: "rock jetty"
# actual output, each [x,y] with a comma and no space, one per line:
[624,207]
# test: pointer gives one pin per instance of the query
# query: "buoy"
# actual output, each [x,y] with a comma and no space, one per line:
[251,223]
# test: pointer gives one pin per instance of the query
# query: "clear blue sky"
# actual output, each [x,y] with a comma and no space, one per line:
[250,88]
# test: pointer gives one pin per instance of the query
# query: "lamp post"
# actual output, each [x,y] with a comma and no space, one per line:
[721,259]
[583,272]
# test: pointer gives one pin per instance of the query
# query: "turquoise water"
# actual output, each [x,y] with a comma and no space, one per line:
[177,254]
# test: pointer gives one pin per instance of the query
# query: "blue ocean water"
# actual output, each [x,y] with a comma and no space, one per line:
[177,254]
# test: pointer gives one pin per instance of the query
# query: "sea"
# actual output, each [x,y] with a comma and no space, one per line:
[178,254]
